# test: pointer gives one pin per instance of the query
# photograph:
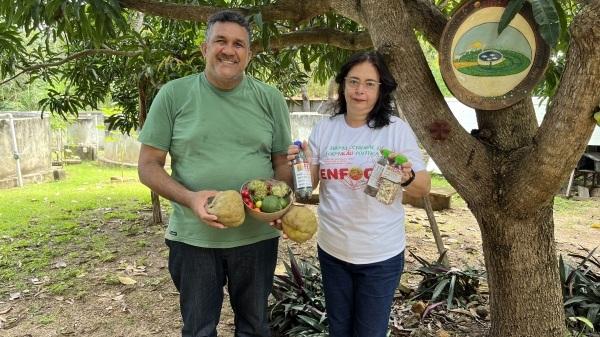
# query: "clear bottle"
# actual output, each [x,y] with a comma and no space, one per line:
[301,173]
[373,182]
[391,178]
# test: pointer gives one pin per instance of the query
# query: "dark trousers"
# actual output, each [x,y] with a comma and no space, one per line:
[359,297]
[200,275]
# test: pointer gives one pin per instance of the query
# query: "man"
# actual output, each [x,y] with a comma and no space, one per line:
[221,128]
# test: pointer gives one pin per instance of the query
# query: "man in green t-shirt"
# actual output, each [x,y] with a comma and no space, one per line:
[221,128]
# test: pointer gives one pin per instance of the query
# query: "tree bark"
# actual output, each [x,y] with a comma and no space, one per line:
[522,273]
[142,113]
[490,170]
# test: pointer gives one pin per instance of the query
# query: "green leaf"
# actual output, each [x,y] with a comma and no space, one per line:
[511,10]
[584,321]
[439,288]
[546,16]
[451,291]
[575,299]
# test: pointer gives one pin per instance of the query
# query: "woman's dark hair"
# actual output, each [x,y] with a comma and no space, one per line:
[379,116]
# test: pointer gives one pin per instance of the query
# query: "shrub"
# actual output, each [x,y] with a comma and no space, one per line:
[299,306]
[581,292]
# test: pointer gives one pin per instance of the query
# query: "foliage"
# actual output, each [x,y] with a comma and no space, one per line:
[299,306]
[125,54]
[581,292]
[545,14]
[441,283]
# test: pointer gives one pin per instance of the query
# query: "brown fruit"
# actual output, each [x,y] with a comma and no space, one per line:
[228,207]
[299,223]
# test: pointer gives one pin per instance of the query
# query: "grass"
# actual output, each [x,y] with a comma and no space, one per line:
[43,224]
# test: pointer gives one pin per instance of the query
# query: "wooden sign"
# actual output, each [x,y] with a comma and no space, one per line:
[485,70]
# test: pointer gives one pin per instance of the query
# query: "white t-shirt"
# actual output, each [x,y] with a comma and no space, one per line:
[353,226]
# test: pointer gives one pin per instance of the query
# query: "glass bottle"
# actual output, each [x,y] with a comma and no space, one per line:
[301,173]
[373,182]
[391,178]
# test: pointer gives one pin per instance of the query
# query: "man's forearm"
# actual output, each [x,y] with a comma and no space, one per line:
[157,179]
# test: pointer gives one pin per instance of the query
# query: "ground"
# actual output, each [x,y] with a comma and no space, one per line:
[105,305]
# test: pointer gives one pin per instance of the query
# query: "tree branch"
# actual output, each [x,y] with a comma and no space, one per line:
[350,41]
[72,57]
[428,19]
[464,161]
[293,10]
[568,124]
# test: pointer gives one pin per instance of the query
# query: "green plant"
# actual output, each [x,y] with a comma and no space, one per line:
[446,283]
[581,292]
[299,306]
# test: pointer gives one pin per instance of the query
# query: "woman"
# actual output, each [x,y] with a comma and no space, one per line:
[361,241]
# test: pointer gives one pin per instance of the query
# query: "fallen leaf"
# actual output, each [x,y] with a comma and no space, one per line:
[14,296]
[5,310]
[60,264]
[596,225]
[118,297]
[127,280]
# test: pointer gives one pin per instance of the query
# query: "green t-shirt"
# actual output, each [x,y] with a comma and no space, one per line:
[217,140]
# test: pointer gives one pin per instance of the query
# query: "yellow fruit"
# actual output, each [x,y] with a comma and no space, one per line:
[228,207]
[597,117]
[299,223]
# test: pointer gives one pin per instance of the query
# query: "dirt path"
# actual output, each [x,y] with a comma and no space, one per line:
[103,306]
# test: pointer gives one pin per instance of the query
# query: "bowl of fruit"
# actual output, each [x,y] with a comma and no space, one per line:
[266,199]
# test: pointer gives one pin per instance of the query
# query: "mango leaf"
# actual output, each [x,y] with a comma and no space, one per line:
[546,16]
[511,10]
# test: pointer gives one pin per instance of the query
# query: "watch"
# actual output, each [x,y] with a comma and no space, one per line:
[410,180]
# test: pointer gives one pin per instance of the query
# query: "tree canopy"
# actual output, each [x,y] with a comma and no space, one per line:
[508,170]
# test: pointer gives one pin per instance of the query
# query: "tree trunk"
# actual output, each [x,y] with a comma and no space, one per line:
[522,273]
[490,171]
[142,113]
[156,212]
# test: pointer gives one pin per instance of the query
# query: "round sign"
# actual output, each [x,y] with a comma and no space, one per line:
[485,70]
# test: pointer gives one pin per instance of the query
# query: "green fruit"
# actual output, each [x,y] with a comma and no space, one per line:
[597,117]
[271,204]
[284,202]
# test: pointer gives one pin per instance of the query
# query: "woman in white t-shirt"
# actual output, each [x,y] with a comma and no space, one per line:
[361,241]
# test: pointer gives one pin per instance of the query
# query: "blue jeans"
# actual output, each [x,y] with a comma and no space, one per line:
[200,274]
[359,297]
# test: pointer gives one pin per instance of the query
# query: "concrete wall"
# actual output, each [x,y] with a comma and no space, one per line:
[33,142]
[85,131]
[303,122]
[119,148]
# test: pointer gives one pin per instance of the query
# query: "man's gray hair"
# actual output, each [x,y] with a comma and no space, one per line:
[228,16]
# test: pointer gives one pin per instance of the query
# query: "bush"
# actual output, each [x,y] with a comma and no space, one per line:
[299,306]
[446,283]
[581,293]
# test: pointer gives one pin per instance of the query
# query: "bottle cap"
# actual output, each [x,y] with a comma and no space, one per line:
[298,144]
[400,159]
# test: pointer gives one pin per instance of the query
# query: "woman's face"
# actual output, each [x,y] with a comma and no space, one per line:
[361,89]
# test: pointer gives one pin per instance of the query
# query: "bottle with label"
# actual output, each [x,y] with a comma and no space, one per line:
[373,182]
[301,173]
[391,178]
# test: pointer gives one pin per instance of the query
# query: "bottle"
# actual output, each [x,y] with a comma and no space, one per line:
[373,182]
[391,178]
[301,173]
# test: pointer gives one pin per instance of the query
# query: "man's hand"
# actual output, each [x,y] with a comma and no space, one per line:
[278,225]
[198,204]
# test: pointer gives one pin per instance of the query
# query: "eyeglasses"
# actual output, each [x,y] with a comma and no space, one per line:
[354,83]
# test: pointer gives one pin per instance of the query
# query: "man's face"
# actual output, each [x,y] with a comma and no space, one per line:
[227,53]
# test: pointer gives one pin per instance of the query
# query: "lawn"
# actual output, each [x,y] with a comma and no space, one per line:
[45,228]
